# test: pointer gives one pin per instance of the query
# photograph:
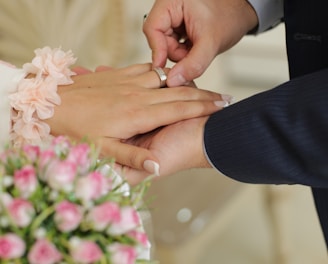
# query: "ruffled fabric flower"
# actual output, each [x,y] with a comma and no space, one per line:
[33,132]
[35,98]
[52,62]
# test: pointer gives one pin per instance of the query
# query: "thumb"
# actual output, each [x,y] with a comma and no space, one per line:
[131,156]
[192,65]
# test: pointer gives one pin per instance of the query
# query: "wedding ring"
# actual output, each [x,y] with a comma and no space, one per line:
[162,76]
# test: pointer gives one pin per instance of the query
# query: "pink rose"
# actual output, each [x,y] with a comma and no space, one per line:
[43,252]
[60,174]
[68,216]
[140,237]
[129,221]
[25,180]
[21,212]
[85,252]
[61,144]
[52,62]
[11,246]
[32,152]
[122,254]
[79,154]
[46,157]
[92,186]
[102,215]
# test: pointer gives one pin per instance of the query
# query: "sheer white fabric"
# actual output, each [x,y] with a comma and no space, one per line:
[8,81]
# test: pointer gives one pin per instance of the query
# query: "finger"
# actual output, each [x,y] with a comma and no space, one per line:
[129,155]
[81,70]
[168,113]
[192,65]
[191,84]
[128,71]
[103,68]
[156,28]
[135,69]
[149,79]
[133,176]
[177,51]
[184,93]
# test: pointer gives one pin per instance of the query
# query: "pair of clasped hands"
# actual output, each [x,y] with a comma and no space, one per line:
[145,128]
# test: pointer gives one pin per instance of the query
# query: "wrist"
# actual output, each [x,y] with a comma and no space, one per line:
[251,18]
[202,160]
[35,96]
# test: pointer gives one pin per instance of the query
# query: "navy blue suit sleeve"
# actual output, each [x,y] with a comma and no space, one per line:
[279,136]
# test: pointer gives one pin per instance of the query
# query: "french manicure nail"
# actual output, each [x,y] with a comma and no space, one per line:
[151,167]
[226,97]
[221,103]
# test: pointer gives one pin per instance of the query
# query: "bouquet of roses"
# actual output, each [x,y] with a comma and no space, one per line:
[60,204]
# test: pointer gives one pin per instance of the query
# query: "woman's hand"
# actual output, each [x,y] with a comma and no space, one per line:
[110,106]
[177,147]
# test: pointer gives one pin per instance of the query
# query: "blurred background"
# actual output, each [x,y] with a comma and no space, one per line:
[197,216]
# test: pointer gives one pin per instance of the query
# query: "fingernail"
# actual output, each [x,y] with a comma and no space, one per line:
[151,167]
[221,103]
[226,97]
[177,80]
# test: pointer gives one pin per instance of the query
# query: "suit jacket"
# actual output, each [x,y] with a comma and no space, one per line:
[281,136]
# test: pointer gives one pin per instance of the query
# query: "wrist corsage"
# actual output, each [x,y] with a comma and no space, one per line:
[35,98]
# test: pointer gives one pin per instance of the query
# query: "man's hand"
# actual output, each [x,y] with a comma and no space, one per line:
[193,32]
[177,147]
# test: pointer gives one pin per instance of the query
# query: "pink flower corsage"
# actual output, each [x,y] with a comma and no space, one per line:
[35,98]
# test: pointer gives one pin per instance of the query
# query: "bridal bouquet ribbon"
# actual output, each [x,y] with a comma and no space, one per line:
[60,204]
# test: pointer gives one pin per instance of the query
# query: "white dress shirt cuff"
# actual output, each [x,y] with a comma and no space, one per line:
[269,13]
